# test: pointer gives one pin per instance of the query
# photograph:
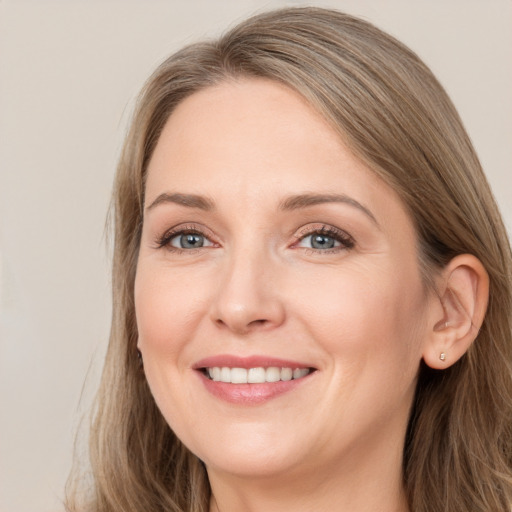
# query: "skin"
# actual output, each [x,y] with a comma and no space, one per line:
[358,313]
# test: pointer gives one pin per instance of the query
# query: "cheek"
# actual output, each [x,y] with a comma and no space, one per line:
[165,321]
[166,307]
[378,311]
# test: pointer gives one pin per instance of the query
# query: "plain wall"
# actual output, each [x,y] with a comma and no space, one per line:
[69,72]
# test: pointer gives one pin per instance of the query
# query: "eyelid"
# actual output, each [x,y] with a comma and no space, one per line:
[164,240]
[346,240]
[206,241]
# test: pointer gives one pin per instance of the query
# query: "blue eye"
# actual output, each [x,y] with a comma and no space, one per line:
[323,242]
[189,241]
[185,238]
[319,241]
[326,239]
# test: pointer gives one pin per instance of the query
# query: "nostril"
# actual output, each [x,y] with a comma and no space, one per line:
[242,327]
[258,322]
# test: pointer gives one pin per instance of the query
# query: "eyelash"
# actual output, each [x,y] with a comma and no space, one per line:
[164,241]
[345,240]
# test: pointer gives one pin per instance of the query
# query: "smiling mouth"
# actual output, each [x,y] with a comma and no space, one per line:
[257,375]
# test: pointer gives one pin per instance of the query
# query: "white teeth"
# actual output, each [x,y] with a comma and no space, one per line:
[300,372]
[239,376]
[225,374]
[273,374]
[286,374]
[255,375]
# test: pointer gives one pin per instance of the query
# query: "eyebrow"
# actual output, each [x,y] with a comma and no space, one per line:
[306,200]
[188,200]
[295,202]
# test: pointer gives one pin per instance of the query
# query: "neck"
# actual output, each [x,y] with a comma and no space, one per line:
[356,485]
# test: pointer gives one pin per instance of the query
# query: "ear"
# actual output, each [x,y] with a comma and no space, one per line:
[461,302]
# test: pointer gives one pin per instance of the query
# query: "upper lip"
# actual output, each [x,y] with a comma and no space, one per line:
[255,361]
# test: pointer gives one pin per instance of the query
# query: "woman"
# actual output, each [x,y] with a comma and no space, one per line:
[312,286]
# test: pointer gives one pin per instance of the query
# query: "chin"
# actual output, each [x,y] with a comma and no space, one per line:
[250,455]
[253,466]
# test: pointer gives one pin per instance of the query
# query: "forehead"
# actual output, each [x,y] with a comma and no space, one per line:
[256,140]
[225,118]
[248,122]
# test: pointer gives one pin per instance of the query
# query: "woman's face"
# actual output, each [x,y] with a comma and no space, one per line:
[270,254]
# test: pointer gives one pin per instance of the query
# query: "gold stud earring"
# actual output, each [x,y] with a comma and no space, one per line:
[442,356]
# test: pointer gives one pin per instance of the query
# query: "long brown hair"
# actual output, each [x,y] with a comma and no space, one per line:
[393,114]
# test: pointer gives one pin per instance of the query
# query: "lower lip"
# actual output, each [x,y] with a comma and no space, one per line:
[250,394]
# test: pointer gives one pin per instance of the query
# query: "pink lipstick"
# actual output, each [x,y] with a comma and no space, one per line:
[250,380]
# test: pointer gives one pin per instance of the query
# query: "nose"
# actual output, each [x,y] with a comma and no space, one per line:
[248,297]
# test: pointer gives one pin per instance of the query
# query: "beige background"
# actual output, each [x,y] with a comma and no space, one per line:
[69,71]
